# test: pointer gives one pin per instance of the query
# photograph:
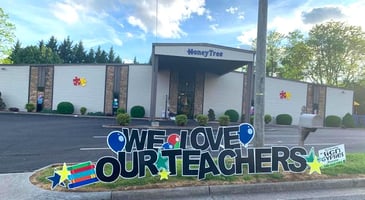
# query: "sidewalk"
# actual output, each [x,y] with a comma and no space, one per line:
[18,187]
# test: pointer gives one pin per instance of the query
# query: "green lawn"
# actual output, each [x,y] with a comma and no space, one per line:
[354,166]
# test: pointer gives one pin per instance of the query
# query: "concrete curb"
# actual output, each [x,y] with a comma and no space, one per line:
[239,189]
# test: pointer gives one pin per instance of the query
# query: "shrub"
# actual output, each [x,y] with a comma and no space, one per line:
[284,119]
[348,121]
[233,115]
[223,120]
[202,119]
[65,108]
[333,121]
[123,119]
[137,111]
[121,111]
[181,120]
[83,110]
[30,107]
[267,119]
[211,115]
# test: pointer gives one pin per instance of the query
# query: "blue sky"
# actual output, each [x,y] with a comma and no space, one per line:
[130,25]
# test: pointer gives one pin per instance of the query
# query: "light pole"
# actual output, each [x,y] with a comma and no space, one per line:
[260,74]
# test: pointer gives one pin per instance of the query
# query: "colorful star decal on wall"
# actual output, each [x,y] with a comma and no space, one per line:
[83,82]
[164,174]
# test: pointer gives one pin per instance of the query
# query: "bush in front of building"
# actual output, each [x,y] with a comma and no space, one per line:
[284,119]
[30,107]
[137,111]
[202,119]
[267,119]
[233,115]
[211,115]
[332,121]
[83,110]
[181,120]
[224,120]
[65,107]
[348,121]
[121,111]
[123,119]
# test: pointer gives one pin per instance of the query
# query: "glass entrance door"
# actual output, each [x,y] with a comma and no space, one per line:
[186,91]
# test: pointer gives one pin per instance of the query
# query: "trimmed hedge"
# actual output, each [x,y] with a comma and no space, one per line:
[65,107]
[233,115]
[332,121]
[202,119]
[137,111]
[123,119]
[284,119]
[181,120]
[348,121]
[224,120]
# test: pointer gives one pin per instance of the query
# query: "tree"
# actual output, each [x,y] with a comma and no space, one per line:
[111,55]
[52,44]
[90,58]
[79,53]
[65,51]
[6,37]
[34,55]
[101,56]
[273,52]
[118,60]
[338,57]
[296,56]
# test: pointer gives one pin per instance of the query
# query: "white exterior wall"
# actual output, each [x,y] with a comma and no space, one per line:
[14,86]
[223,92]
[90,96]
[339,101]
[163,86]
[139,87]
[275,106]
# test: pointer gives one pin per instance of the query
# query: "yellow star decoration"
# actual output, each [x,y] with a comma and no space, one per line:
[315,166]
[164,174]
[288,95]
[83,82]
[63,173]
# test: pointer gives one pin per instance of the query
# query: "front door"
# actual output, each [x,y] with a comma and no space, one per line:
[186,91]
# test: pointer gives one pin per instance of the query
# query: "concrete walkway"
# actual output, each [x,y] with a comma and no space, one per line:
[18,187]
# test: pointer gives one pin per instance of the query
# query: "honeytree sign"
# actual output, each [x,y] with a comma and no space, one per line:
[158,152]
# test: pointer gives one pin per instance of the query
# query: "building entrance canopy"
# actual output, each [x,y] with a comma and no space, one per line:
[200,56]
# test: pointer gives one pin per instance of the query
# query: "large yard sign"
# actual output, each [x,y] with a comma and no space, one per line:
[160,154]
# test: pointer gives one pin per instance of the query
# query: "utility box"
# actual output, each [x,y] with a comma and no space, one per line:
[310,121]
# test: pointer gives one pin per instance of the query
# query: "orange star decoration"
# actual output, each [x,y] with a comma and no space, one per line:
[83,82]
[288,95]
[164,174]
[315,166]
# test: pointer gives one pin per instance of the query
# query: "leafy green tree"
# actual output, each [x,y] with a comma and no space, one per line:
[34,55]
[296,56]
[6,37]
[274,52]
[118,60]
[101,56]
[338,53]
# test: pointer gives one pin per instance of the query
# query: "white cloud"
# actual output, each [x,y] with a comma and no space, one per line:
[129,35]
[171,13]
[213,27]
[232,10]
[137,22]
[241,15]
[247,36]
[208,15]
[67,12]
[355,14]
